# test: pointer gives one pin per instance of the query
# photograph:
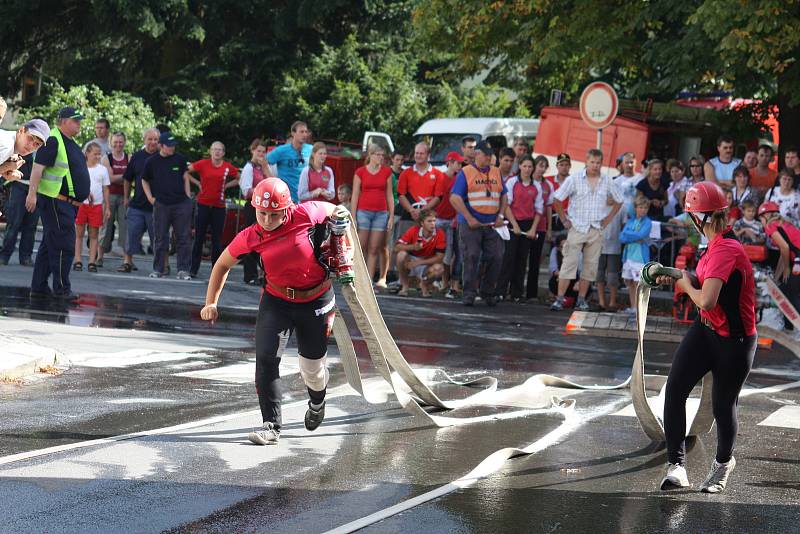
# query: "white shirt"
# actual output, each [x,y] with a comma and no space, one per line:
[588,207]
[789,204]
[98,177]
[681,186]
[7,141]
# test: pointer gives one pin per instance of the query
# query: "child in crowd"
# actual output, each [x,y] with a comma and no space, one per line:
[635,236]
[554,266]
[747,229]
[420,254]
[734,213]
[343,194]
[610,266]
[95,209]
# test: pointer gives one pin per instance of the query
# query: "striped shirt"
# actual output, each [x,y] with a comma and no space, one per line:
[588,207]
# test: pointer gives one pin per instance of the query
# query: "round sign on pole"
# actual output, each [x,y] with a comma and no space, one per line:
[599,105]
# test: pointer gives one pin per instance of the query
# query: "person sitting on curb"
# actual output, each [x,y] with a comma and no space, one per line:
[420,253]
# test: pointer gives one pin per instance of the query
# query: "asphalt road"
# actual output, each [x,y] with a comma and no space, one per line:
[146,429]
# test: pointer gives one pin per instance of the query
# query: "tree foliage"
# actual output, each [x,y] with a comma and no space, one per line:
[651,49]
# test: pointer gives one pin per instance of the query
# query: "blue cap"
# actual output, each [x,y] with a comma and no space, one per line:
[70,113]
[167,139]
[485,147]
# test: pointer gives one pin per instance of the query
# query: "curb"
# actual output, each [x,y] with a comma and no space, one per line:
[26,359]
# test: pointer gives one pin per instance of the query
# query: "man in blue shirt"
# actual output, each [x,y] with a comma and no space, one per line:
[479,197]
[292,157]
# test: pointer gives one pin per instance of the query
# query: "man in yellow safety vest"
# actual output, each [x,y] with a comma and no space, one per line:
[59,183]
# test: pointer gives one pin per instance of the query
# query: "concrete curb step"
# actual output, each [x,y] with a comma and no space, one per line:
[20,358]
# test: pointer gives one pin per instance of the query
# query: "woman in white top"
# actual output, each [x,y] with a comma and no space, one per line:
[253,172]
[316,180]
[786,196]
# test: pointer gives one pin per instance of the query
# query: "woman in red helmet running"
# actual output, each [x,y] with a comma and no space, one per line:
[297,297]
[722,340]
[786,237]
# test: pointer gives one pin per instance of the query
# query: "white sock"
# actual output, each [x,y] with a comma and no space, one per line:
[316,407]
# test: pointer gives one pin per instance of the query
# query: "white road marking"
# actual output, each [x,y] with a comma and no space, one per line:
[783,417]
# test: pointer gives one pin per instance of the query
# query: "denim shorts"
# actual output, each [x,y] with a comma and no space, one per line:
[372,220]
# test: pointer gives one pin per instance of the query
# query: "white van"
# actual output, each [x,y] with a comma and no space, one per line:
[445,135]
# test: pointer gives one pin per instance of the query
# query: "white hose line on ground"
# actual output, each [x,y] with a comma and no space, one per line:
[486,468]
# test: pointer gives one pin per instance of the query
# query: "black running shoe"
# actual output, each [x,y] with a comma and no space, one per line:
[314,417]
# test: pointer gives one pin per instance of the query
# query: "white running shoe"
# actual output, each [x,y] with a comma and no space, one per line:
[718,477]
[268,435]
[676,477]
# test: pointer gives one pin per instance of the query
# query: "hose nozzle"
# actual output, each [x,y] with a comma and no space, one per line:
[653,270]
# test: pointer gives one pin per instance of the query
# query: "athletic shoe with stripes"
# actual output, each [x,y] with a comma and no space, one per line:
[268,435]
[676,477]
[718,477]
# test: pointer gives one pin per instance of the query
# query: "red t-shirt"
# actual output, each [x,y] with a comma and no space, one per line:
[118,166]
[286,253]
[556,185]
[422,187]
[373,189]
[735,312]
[212,182]
[791,232]
[430,245]
[445,210]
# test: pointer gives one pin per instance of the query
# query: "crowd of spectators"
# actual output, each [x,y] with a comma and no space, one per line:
[478,229]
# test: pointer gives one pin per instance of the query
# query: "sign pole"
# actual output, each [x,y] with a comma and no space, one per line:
[599,139]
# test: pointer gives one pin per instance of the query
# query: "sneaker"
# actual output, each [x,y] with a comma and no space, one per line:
[156,274]
[27,262]
[629,311]
[450,294]
[469,301]
[676,477]
[3,261]
[557,305]
[490,301]
[718,477]
[183,275]
[268,435]
[314,417]
[582,305]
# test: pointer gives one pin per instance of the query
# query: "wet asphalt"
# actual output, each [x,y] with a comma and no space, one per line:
[601,475]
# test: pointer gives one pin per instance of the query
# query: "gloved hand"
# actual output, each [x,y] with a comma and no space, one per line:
[339,221]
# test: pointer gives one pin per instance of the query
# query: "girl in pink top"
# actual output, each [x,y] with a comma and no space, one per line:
[373,204]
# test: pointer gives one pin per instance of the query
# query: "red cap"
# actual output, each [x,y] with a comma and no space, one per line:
[271,194]
[705,197]
[768,207]
[454,156]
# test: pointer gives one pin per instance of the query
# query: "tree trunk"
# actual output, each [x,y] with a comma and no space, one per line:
[788,111]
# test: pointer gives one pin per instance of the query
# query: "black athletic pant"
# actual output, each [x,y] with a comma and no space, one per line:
[250,261]
[277,319]
[729,360]
[791,288]
[207,216]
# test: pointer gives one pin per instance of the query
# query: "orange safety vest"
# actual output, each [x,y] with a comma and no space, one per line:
[484,190]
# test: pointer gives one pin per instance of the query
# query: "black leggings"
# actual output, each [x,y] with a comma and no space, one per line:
[729,360]
[277,319]
[791,288]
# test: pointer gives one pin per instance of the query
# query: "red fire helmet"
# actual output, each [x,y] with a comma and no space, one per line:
[271,194]
[768,207]
[705,197]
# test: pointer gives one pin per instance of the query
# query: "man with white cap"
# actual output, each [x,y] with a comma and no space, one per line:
[17,144]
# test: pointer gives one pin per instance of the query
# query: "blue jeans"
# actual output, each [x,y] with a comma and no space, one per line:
[215,217]
[18,219]
[57,249]
[137,222]
[179,217]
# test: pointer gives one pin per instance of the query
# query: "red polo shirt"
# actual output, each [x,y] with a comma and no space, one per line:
[423,187]
[734,315]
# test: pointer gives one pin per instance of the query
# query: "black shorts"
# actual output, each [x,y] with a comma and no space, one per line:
[310,321]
